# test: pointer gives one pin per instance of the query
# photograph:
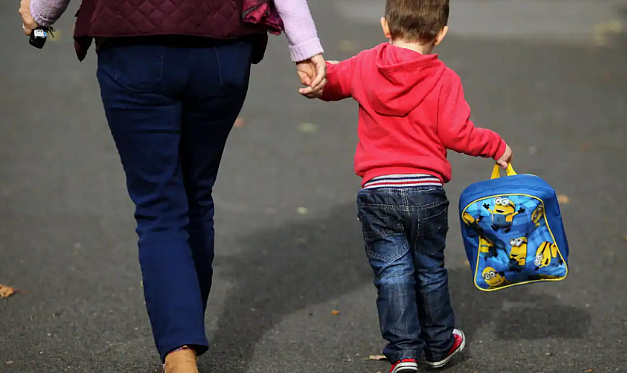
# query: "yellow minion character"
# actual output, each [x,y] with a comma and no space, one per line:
[472,223]
[486,247]
[537,215]
[494,279]
[503,213]
[469,219]
[545,253]
[518,253]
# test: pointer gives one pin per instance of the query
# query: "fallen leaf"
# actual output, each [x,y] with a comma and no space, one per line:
[590,370]
[302,210]
[377,357]
[602,30]
[335,312]
[6,291]
[563,199]
[548,353]
[308,127]
[607,77]
[239,123]
[466,263]
[626,237]
[584,147]
[55,35]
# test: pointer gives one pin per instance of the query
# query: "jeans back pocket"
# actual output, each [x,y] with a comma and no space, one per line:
[137,68]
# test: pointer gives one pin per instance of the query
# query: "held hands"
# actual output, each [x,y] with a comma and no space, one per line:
[313,75]
[506,158]
[27,18]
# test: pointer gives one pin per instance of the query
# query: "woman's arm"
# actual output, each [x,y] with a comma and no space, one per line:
[47,12]
[299,28]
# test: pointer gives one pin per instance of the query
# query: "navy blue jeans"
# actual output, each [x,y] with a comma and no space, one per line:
[405,234]
[171,104]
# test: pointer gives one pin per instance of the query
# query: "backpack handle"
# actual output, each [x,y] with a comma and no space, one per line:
[496,172]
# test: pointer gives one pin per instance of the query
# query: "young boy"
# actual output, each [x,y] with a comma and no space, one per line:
[411,110]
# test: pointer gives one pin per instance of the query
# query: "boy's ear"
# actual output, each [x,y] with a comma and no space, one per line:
[441,35]
[386,28]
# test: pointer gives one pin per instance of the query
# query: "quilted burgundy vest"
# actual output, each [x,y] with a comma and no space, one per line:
[216,19]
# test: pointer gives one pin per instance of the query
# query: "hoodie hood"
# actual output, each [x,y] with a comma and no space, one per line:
[404,80]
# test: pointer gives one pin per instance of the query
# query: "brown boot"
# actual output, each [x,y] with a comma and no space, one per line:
[181,361]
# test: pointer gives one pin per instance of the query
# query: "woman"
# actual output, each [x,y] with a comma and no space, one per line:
[173,77]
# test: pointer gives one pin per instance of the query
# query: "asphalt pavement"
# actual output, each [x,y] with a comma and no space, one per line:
[548,75]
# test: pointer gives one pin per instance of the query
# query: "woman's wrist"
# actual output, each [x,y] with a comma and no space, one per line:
[305,50]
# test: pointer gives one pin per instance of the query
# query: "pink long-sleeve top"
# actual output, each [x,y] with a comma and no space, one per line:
[299,26]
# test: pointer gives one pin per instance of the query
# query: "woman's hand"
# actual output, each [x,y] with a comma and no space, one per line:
[313,75]
[27,18]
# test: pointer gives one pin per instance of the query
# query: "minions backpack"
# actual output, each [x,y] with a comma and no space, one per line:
[513,231]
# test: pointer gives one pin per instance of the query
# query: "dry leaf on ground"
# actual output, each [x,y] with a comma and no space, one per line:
[307,127]
[302,210]
[563,199]
[377,357]
[335,312]
[6,291]
[239,123]
[602,30]
[56,35]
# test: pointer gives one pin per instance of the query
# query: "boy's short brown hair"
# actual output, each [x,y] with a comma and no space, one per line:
[416,20]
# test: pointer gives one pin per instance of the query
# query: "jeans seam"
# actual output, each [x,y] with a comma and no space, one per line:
[382,206]
[393,276]
[371,253]
[215,51]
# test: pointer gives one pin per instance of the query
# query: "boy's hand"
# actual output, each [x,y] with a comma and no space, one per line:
[506,158]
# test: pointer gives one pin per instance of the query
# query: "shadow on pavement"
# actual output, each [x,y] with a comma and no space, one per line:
[284,270]
[515,313]
[311,261]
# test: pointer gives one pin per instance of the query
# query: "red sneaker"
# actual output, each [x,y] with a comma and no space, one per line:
[458,346]
[405,366]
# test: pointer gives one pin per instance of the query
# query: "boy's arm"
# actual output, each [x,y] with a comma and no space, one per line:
[455,129]
[339,80]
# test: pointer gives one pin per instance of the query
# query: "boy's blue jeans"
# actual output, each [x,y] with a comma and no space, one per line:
[171,103]
[405,234]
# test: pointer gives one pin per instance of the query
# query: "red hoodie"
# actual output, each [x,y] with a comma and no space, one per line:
[411,110]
